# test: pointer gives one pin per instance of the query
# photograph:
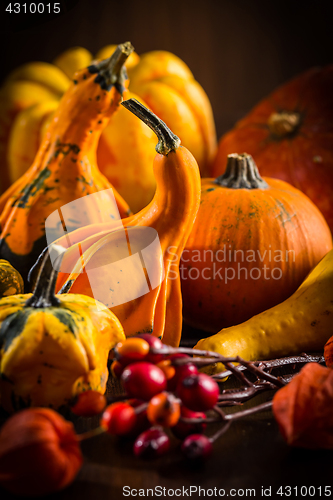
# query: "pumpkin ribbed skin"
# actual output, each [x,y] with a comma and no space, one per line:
[65,167]
[11,282]
[162,82]
[249,250]
[290,136]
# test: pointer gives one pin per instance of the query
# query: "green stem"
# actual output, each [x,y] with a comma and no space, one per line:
[167,140]
[44,292]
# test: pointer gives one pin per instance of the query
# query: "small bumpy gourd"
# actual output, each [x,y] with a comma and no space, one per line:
[53,347]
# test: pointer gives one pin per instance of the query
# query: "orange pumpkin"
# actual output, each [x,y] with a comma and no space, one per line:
[290,136]
[253,242]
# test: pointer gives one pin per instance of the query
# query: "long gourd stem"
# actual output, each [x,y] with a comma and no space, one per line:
[112,72]
[44,292]
[117,61]
[167,140]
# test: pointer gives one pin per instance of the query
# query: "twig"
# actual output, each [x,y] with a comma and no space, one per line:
[275,363]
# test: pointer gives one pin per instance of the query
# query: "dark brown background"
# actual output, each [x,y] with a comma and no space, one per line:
[238,50]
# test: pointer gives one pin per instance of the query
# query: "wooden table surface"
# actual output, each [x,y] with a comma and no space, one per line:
[250,456]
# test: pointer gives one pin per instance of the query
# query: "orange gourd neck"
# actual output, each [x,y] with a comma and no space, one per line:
[168,185]
[172,214]
[284,124]
[99,89]
[241,173]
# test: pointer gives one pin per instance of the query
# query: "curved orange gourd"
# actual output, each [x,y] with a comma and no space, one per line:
[253,243]
[170,214]
[65,167]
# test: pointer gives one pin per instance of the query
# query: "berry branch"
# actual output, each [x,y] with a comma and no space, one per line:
[163,389]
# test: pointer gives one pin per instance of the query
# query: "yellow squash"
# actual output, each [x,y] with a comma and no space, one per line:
[302,323]
[158,79]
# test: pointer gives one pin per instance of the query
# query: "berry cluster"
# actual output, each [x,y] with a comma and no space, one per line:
[160,395]
[164,391]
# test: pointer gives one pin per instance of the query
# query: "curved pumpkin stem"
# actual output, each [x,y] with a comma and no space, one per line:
[112,71]
[44,292]
[241,172]
[167,140]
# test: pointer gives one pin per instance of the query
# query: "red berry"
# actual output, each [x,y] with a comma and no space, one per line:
[151,443]
[154,342]
[119,419]
[197,446]
[163,409]
[89,403]
[131,350]
[181,371]
[183,429]
[198,392]
[143,380]
[184,371]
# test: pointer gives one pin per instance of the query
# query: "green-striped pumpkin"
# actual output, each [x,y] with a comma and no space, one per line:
[53,347]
